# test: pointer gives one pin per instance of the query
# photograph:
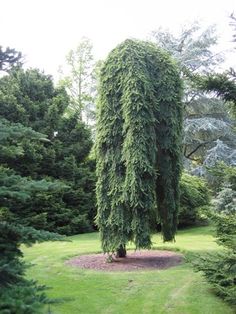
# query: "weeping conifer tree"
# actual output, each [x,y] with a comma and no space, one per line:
[138,145]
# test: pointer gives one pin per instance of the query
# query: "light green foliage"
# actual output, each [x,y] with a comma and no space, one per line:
[194,194]
[29,97]
[222,175]
[78,77]
[223,84]
[138,144]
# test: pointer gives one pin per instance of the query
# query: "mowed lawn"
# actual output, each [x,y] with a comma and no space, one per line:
[177,290]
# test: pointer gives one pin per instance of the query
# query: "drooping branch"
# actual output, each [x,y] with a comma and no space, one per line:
[139,134]
[195,149]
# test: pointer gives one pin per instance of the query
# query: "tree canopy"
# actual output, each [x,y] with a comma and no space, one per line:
[138,144]
[207,121]
[78,77]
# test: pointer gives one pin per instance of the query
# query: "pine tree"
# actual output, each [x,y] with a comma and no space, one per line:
[138,145]
[38,141]
[42,178]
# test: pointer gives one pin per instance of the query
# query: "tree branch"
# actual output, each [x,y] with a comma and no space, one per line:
[194,151]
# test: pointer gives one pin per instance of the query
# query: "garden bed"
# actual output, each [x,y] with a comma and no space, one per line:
[145,259]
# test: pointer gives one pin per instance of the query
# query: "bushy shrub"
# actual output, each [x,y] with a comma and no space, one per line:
[225,201]
[220,268]
[194,195]
[221,174]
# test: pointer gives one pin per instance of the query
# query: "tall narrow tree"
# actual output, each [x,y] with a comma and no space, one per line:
[78,77]
[138,145]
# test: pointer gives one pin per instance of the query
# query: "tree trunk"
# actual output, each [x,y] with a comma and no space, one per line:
[121,251]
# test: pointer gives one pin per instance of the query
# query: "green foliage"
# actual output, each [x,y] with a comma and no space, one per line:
[39,143]
[30,98]
[13,137]
[221,175]
[194,194]
[207,121]
[225,201]
[223,85]
[225,230]
[138,144]
[220,268]
[18,295]
[24,298]
[79,80]
[43,179]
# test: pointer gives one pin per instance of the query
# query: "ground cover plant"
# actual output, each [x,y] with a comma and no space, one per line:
[174,290]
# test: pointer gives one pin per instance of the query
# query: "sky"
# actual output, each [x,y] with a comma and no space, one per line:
[45,30]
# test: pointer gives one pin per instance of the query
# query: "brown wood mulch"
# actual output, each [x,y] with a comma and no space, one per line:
[137,260]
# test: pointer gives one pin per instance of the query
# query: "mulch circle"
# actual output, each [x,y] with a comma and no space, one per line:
[138,260]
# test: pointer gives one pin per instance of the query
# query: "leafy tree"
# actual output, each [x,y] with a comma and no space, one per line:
[79,80]
[225,201]
[138,145]
[223,85]
[30,98]
[192,49]
[206,117]
[208,140]
[223,174]
[194,196]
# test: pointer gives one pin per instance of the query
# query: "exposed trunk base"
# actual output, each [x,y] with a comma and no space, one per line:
[121,251]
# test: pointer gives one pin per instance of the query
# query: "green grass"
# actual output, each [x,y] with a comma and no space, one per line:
[177,290]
